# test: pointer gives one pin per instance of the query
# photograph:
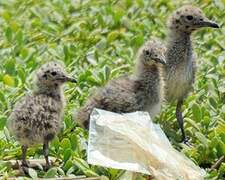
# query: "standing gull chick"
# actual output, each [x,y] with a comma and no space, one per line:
[141,92]
[37,118]
[180,68]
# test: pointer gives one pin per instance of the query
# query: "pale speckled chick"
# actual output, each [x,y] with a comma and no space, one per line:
[180,68]
[143,91]
[37,118]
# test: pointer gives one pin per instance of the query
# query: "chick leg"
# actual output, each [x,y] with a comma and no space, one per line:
[180,120]
[149,177]
[45,152]
[24,152]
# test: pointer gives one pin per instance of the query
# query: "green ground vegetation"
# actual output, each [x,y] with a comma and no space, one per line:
[98,40]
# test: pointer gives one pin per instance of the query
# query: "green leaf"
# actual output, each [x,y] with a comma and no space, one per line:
[65,144]
[7,135]
[196,110]
[70,170]
[192,123]
[202,138]
[3,120]
[89,172]
[73,141]
[113,36]
[66,155]
[222,89]
[222,170]
[22,74]
[66,53]
[32,173]
[107,73]
[10,66]
[206,121]
[6,15]
[55,143]
[2,97]
[222,135]
[60,171]
[213,102]
[8,80]
[51,173]
[68,165]
[117,15]
[138,40]
[82,165]
[9,34]
[221,148]
[223,109]
[19,38]
[92,81]
[128,3]
[140,3]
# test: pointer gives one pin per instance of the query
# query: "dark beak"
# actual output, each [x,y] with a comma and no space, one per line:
[160,60]
[71,80]
[67,79]
[208,23]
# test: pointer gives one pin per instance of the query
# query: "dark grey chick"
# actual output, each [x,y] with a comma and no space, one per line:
[180,68]
[143,91]
[37,118]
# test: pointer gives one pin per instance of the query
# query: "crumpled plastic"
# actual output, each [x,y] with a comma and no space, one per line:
[133,142]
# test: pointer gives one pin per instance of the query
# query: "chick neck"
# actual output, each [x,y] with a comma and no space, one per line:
[179,46]
[148,74]
[54,90]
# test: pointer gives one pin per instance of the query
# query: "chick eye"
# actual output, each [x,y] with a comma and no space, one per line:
[53,73]
[189,17]
[147,52]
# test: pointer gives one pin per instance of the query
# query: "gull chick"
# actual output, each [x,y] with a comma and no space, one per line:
[37,118]
[142,91]
[180,67]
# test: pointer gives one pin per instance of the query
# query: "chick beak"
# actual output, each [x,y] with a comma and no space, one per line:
[71,80]
[67,79]
[160,60]
[208,23]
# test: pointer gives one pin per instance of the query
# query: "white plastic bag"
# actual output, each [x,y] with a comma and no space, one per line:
[133,142]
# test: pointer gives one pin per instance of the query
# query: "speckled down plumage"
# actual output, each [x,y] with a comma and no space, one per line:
[38,116]
[142,91]
[181,68]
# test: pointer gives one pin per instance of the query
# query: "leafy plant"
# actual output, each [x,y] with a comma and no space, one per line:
[98,41]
